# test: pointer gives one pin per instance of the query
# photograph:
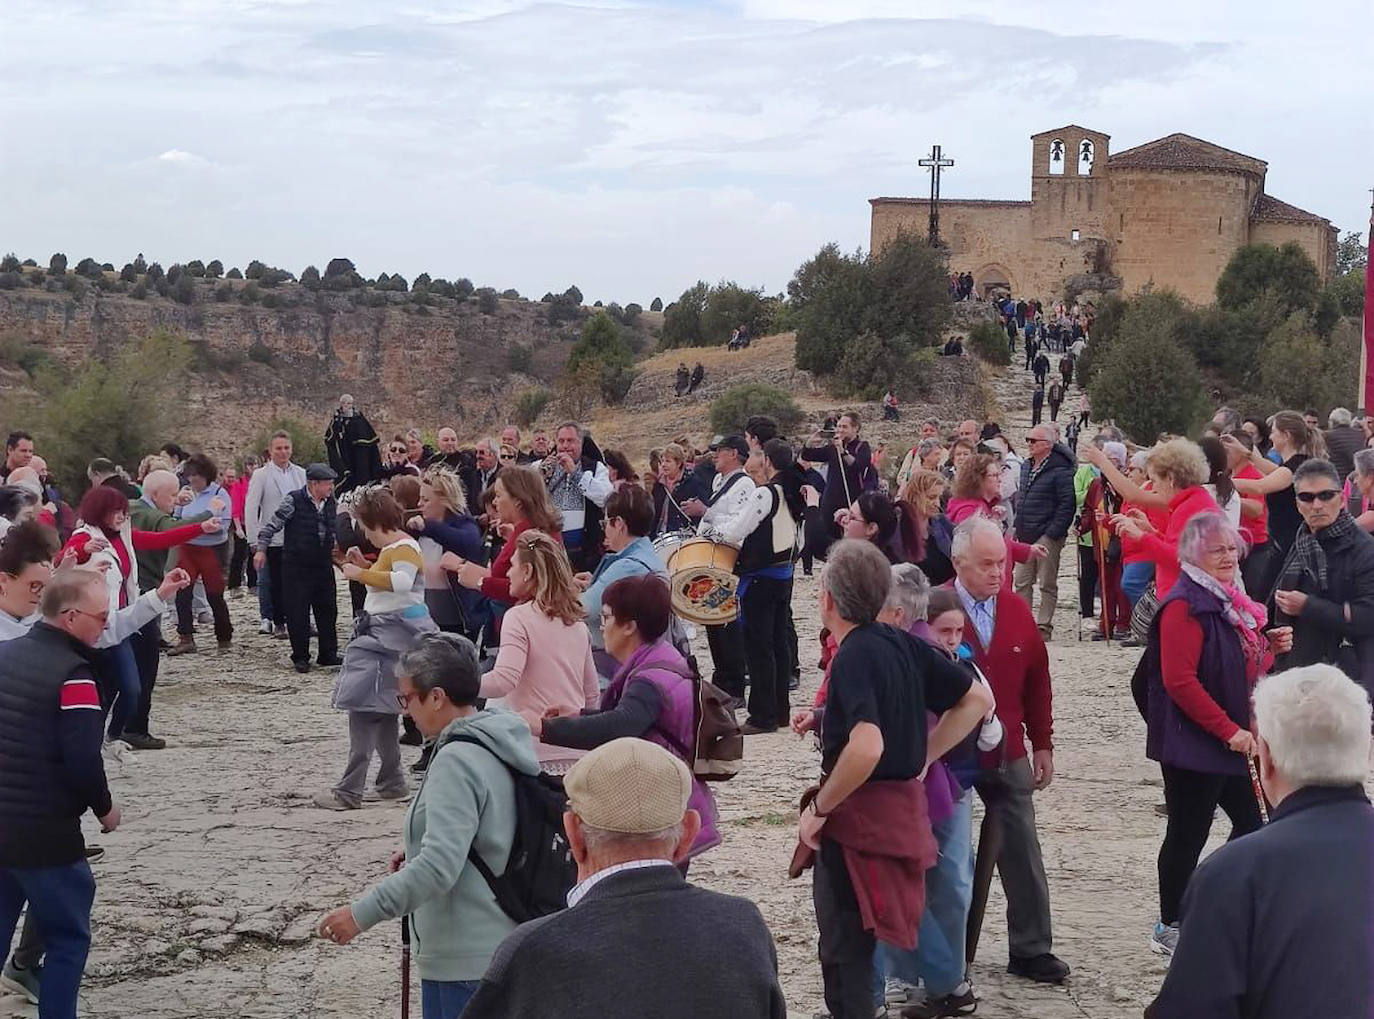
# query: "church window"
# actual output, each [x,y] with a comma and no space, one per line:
[1073,235]
[1086,154]
[1057,156]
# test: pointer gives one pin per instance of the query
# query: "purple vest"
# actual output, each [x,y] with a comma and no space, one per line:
[1172,737]
[675,731]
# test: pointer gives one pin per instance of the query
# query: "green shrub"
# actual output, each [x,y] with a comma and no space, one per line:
[529,405]
[255,269]
[656,304]
[1286,273]
[1149,384]
[989,342]
[215,269]
[307,441]
[57,265]
[260,352]
[487,301]
[520,358]
[736,405]
[10,280]
[682,320]
[224,292]
[10,263]
[233,274]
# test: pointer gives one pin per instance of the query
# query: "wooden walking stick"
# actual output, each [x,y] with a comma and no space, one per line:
[405,967]
[990,836]
[1259,789]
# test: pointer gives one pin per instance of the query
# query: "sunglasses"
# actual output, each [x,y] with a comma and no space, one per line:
[507,456]
[1325,495]
[398,449]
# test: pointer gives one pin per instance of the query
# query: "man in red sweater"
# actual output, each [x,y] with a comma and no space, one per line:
[1002,637]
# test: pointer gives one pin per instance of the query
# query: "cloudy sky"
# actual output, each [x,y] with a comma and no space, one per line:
[630,148]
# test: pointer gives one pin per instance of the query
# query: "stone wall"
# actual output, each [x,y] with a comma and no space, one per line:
[1178,230]
[1316,239]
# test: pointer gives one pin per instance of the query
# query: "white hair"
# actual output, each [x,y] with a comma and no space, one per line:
[160,479]
[1364,462]
[970,529]
[909,591]
[648,844]
[1316,722]
[490,443]
[1201,531]
[1339,418]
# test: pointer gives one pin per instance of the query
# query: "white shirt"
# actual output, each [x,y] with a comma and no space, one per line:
[722,514]
[268,486]
[579,891]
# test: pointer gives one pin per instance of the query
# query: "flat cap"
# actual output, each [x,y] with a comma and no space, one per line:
[630,786]
[320,472]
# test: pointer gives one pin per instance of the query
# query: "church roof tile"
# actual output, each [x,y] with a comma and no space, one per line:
[1270,210]
[1184,152]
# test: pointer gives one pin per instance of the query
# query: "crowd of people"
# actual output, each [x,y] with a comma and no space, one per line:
[515,612]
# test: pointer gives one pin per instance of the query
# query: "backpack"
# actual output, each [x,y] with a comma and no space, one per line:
[719,751]
[540,870]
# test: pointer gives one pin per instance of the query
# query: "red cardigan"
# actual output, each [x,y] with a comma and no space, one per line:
[1018,667]
[1163,549]
[497,585]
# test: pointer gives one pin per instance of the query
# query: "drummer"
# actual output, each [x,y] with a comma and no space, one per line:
[731,493]
[766,531]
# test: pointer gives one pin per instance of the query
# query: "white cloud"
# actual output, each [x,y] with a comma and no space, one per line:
[629,149]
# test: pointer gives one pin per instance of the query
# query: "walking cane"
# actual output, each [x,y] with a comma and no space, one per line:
[1078,579]
[990,836]
[1259,789]
[405,967]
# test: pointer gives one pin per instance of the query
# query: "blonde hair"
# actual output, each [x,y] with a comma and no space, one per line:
[448,490]
[923,493]
[674,452]
[1182,461]
[551,576]
[153,462]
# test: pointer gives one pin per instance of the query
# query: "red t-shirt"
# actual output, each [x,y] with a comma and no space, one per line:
[1255,530]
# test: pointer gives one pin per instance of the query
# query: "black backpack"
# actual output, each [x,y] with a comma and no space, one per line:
[540,870]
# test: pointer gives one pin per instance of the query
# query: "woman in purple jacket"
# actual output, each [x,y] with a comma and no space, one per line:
[651,696]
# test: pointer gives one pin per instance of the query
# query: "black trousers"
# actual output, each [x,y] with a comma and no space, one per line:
[241,561]
[1054,412]
[846,949]
[767,649]
[1036,413]
[727,655]
[148,655]
[309,587]
[1087,580]
[1192,798]
[274,579]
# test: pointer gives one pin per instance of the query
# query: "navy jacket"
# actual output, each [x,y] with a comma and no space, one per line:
[1047,501]
[1280,923]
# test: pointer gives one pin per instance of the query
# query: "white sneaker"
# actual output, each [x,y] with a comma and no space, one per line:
[118,750]
[205,618]
[1164,939]
[265,628]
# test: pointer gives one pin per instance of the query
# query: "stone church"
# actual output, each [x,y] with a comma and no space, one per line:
[1170,213]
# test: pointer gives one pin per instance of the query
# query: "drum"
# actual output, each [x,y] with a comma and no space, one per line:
[703,581]
[669,541]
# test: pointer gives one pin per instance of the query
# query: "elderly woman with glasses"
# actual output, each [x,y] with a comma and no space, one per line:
[465,807]
[1207,648]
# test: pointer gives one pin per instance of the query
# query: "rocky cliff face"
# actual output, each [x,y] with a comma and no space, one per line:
[253,365]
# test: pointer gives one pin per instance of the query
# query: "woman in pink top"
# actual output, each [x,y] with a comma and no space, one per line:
[545,662]
[977,491]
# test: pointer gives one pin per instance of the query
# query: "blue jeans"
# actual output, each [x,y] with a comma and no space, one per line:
[264,593]
[1135,577]
[445,999]
[938,958]
[130,687]
[60,902]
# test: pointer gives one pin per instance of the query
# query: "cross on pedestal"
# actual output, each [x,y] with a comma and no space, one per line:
[935,162]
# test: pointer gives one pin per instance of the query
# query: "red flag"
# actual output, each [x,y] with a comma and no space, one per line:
[1367,383]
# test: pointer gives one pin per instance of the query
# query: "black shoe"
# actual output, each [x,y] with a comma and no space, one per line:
[412,739]
[1043,969]
[94,853]
[329,663]
[793,682]
[302,666]
[753,729]
[142,741]
[420,766]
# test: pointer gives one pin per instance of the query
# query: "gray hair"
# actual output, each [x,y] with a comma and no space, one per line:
[444,661]
[492,444]
[414,433]
[646,845]
[857,577]
[927,446]
[1228,417]
[909,591]
[1316,722]
[1140,459]
[1317,468]
[1201,531]
[1364,462]
[970,529]
[160,479]
[570,424]
[1339,418]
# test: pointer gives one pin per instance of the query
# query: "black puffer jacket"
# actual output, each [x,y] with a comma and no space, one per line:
[1047,500]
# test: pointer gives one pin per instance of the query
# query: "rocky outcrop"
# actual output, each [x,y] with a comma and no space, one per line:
[448,364]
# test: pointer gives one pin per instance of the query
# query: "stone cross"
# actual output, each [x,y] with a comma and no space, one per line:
[935,163]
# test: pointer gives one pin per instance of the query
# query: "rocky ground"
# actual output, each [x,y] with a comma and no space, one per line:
[209,891]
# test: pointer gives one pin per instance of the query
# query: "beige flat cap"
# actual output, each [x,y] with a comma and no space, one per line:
[629,785]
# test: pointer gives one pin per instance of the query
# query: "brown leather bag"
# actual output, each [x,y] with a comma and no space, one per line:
[803,857]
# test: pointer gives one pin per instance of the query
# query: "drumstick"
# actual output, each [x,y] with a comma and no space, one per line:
[1259,789]
[839,459]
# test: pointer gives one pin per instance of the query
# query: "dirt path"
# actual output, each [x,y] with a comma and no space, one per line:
[209,891]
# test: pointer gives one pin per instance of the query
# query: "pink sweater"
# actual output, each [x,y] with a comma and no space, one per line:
[960,510]
[543,663]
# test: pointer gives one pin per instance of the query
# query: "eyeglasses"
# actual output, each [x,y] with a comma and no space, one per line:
[1325,495]
[1223,551]
[403,699]
[103,617]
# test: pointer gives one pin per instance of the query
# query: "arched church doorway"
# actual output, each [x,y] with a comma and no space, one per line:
[994,281]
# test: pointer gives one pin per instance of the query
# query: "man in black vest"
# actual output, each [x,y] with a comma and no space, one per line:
[51,773]
[307,520]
